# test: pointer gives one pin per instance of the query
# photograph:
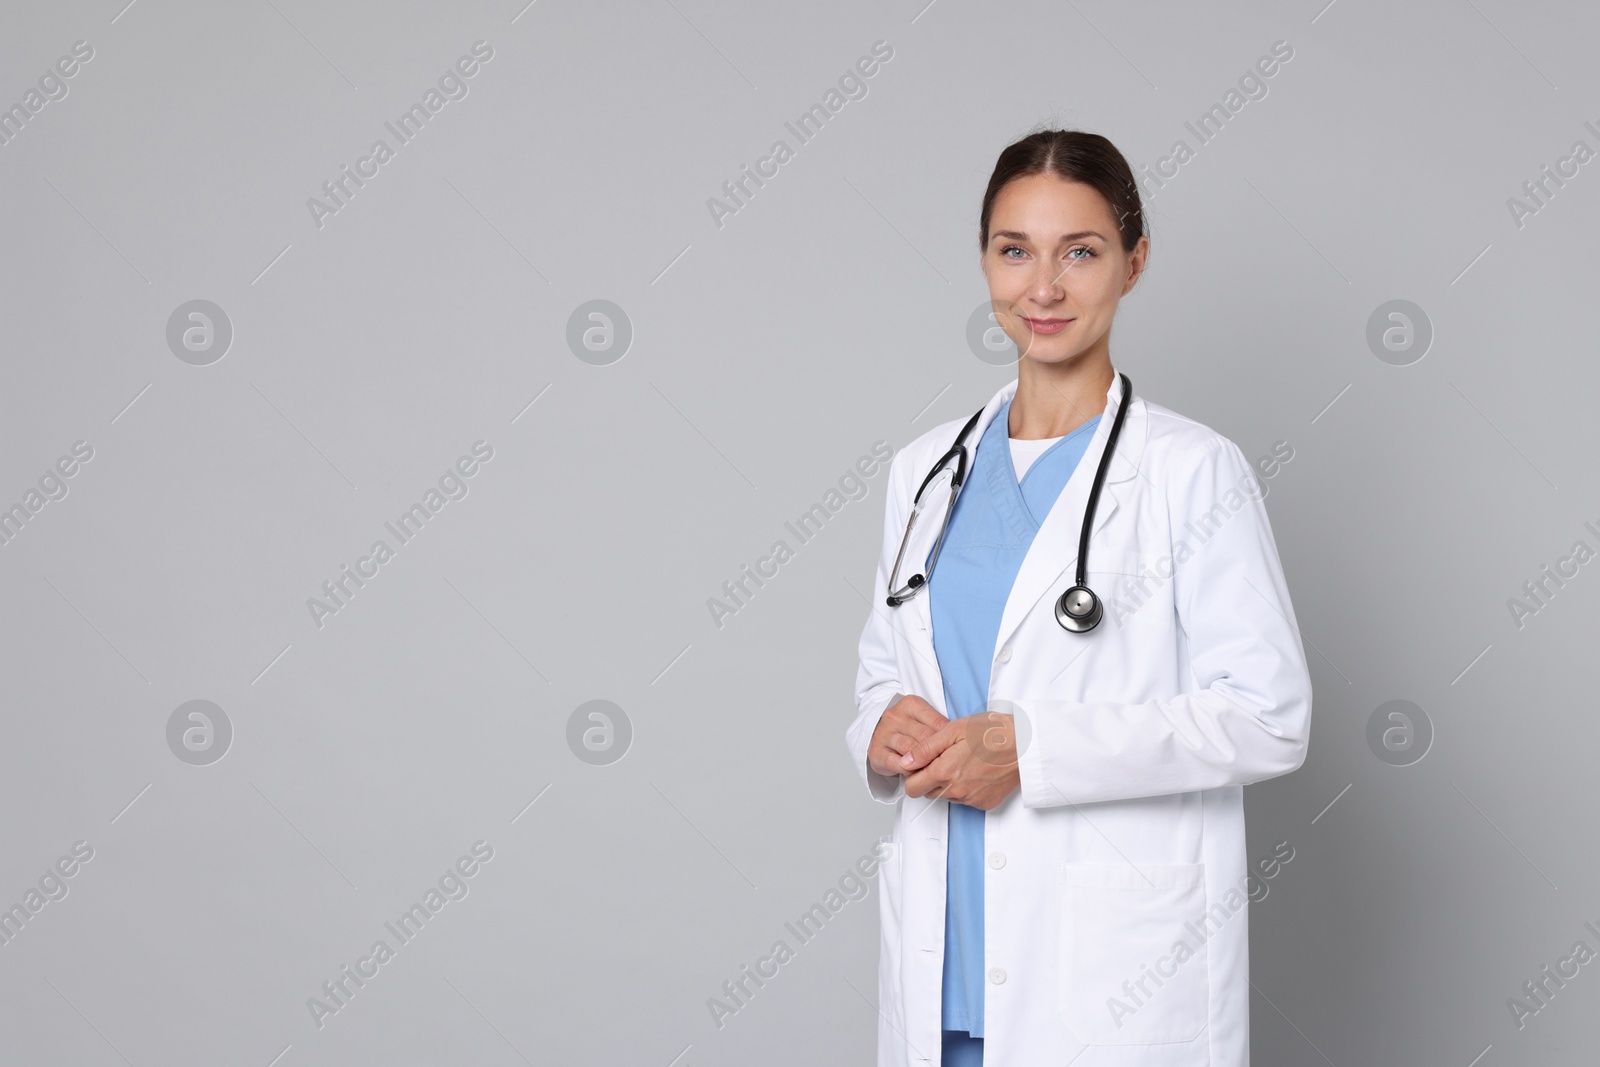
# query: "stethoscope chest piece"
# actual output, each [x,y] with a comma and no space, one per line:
[1078,610]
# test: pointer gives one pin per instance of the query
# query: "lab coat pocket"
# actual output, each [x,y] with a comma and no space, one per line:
[1131,957]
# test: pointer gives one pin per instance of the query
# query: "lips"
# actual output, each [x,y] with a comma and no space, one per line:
[1047,326]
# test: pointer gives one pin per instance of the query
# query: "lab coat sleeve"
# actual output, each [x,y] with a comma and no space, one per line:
[877,677]
[1249,717]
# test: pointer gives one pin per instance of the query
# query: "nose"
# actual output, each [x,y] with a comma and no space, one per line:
[1046,286]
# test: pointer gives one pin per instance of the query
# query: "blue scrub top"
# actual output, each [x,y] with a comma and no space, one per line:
[994,523]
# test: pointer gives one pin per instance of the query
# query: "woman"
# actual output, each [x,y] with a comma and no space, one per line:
[1066,739]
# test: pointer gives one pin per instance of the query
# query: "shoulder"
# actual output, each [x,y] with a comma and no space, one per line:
[1179,444]
[925,449]
[1198,469]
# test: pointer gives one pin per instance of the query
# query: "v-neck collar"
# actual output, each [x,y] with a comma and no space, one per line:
[1000,474]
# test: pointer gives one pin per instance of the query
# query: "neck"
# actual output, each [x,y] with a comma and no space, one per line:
[1053,399]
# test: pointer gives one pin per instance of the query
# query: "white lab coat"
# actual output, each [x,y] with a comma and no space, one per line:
[1115,907]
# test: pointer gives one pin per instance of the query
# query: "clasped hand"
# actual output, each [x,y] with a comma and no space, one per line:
[971,760]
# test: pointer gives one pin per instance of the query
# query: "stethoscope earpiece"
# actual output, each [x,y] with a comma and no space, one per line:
[912,585]
[1079,610]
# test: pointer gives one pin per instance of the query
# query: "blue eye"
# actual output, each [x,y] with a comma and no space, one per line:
[1009,248]
[1088,253]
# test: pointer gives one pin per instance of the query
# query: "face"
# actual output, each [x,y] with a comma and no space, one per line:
[1056,268]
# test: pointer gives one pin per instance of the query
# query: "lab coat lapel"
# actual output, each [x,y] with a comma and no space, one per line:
[1055,546]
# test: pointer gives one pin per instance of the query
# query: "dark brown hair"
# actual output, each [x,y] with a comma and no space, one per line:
[1075,156]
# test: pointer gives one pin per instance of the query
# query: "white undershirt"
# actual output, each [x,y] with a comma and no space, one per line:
[1023,453]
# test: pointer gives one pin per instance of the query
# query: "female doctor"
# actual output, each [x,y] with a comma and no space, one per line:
[1081,649]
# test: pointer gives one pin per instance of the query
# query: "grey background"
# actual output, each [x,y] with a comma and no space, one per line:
[767,356]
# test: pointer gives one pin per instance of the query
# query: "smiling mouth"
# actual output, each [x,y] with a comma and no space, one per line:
[1047,326]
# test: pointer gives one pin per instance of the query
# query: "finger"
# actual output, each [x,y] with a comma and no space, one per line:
[918,710]
[886,753]
[900,744]
[884,757]
[924,784]
[915,730]
[928,782]
[903,732]
[928,749]
[941,780]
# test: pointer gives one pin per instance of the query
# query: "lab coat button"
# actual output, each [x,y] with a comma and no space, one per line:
[997,975]
[997,860]
[1005,654]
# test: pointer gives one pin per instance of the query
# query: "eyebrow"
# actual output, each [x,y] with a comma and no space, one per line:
[1018,236]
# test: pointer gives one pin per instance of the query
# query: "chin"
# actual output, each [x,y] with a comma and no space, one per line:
[1043,354]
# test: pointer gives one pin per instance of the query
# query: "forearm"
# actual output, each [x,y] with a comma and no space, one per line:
[1085,752]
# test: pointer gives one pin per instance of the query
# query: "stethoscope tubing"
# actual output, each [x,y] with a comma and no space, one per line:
[1078,613]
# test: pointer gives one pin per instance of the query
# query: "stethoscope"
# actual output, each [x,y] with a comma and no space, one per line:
[1078,610]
